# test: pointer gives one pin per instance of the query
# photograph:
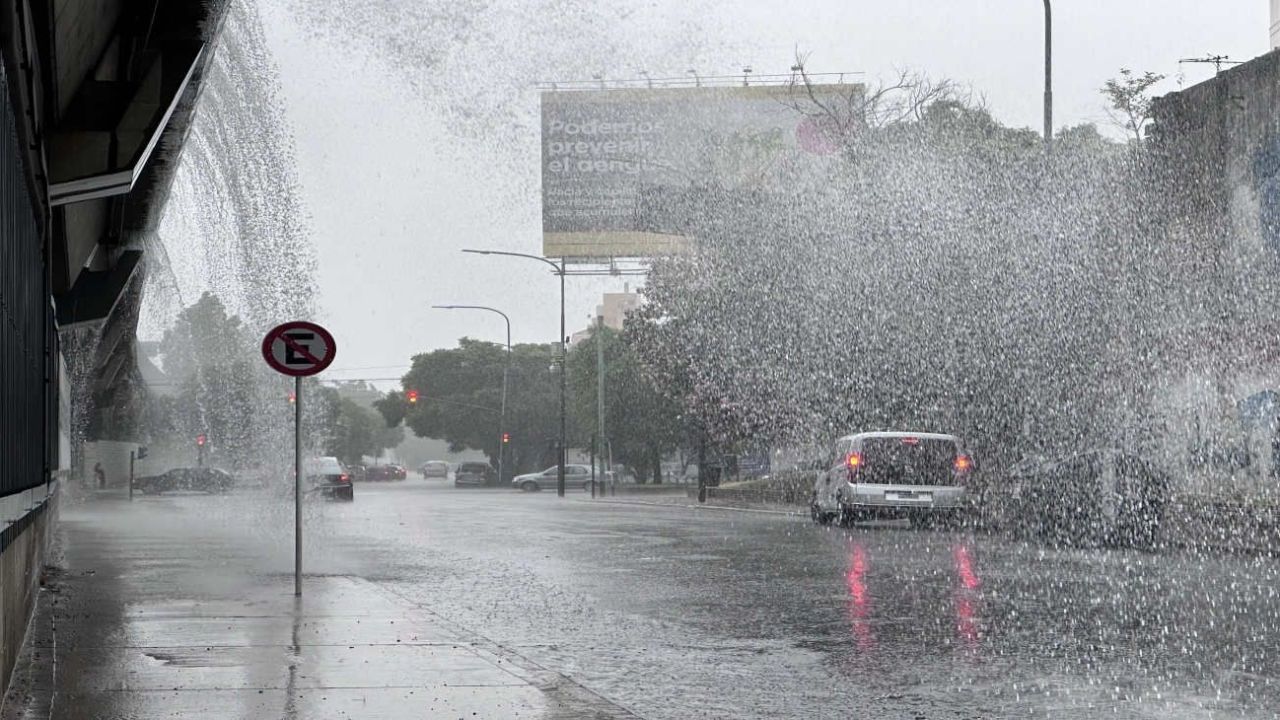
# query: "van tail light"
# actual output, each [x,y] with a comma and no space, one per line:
[853,461]
[962,464]
[344,478]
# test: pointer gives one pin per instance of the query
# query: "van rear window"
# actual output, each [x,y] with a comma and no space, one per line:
[908,461]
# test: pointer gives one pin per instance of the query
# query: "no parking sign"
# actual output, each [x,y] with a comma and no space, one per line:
[298,349]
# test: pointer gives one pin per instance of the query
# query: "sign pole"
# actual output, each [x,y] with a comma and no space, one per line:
[297,487]
[298,349]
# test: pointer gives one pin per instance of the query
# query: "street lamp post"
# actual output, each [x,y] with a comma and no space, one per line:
[563,359]
[1048,77]
[502,418]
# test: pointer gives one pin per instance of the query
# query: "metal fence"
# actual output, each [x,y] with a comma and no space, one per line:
[26,388]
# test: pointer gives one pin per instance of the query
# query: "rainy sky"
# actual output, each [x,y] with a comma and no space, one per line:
[416,128]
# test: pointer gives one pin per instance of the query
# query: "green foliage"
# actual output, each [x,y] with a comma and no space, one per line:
[208,354]
[460,400]
[640,421]
[1130,100]
[354,428]
[943,275]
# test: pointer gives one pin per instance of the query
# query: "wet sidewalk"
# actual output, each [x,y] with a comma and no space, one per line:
[130,627]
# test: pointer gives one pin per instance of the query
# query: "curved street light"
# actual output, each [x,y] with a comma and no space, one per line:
[502,418]
[563,356]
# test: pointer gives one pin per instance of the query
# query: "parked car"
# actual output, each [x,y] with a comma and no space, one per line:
[1095,497]
[434,469]
[385,472]
[197,479]
[328,477]
[919,476]
[475,474]
[576,477]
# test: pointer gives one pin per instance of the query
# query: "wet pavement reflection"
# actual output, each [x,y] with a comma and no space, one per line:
[675,613]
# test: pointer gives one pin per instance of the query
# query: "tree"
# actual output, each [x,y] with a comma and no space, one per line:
[941,275]
[1130,100]
[640,422]
[460,398]
[354,430]
[208,354]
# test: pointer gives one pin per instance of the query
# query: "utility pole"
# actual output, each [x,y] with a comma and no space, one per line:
[600,391]
[564,350]
[503,435]
[1048,78]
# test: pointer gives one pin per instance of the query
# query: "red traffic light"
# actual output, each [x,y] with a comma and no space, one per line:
[506,438]
[411,396]
[201,439]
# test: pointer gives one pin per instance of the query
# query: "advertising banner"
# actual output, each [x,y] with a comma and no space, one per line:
[621,167]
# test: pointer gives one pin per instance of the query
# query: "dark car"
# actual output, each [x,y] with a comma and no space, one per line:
[385,472]
[327,476]
[1095,497]
[475,474]
[197,479]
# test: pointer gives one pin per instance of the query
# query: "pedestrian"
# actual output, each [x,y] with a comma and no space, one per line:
[100,474]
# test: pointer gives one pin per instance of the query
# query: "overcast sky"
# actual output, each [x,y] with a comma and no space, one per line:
[413,144]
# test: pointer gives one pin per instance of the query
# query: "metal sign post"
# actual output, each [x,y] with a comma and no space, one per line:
[298,349]
[297,486]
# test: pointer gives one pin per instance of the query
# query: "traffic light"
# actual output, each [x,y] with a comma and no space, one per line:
[506,438]
[201,439]
[411,396]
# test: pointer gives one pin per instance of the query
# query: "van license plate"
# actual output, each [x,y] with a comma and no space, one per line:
[915,497]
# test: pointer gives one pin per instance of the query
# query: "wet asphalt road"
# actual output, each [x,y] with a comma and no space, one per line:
[680,613]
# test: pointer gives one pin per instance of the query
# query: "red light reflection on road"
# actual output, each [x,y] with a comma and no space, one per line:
[966,596]
[859,600]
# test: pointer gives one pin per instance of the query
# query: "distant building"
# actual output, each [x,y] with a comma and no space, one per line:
[614,308]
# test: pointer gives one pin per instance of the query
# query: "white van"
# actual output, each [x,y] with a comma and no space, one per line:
[919,476]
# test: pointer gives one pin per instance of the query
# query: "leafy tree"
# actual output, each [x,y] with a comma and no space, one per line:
[1130,100]
[208,353]
[460,398]
[354,430]
[944,274]
[640,422]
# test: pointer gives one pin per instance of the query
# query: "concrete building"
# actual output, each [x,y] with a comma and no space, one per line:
[96,100]
[614,308]
[1218,177]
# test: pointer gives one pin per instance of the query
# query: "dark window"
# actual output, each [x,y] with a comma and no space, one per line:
[907,461]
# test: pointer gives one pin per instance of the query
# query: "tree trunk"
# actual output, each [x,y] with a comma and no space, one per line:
[657,465]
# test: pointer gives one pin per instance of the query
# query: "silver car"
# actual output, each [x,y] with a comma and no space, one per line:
[919,476]
[576,477]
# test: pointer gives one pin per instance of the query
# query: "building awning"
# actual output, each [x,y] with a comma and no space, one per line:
[95,294]
[113,127]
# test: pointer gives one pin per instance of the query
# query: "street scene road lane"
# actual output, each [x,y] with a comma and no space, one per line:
[673,612]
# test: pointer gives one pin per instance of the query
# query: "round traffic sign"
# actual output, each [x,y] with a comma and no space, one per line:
[299,348]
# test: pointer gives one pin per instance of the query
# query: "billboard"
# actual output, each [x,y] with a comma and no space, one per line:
[621,168]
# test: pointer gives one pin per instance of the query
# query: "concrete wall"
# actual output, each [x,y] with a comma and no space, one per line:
[25,551]
[114,457]
[1217,146]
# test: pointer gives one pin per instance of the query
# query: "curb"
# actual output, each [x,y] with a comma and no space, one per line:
[730,508]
